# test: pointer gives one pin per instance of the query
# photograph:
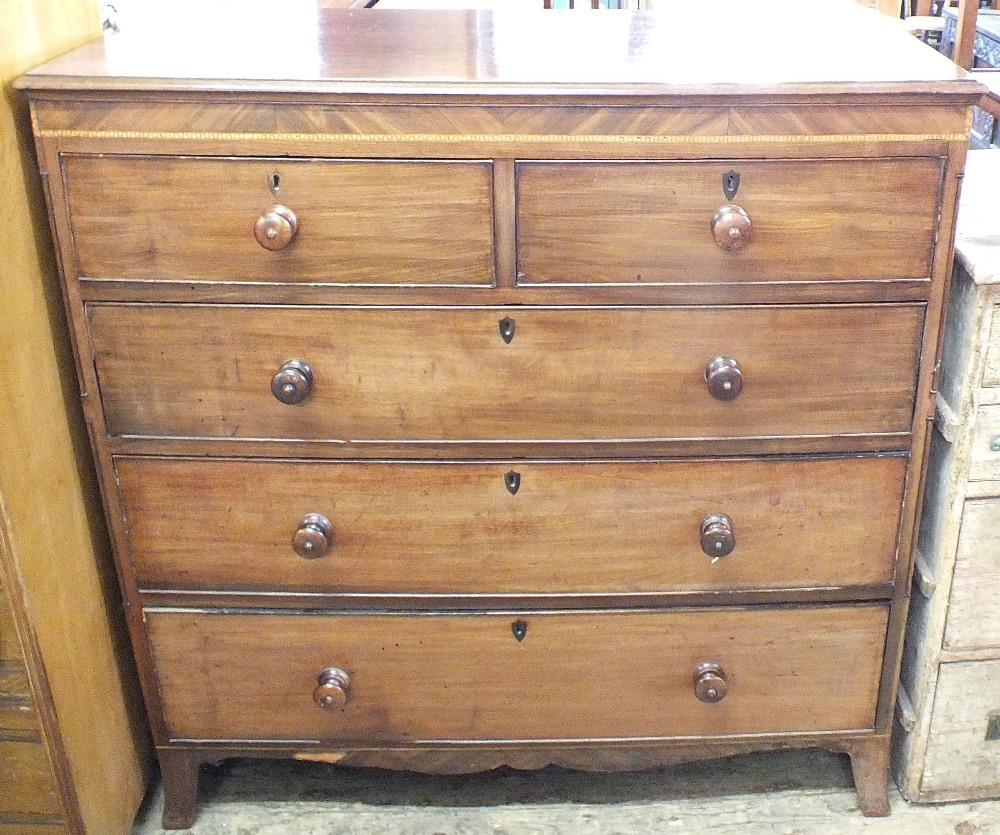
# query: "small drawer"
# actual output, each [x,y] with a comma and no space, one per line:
[27,786]
[963,749]
[529,676]
[984,457]
[506,374]
[991,372]
[654,222]
[341,222]
[17,710]
[443,528]
[10,645]
[974,607]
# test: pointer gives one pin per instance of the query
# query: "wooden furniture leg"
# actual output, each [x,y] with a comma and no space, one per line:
[870,766]
[179,770]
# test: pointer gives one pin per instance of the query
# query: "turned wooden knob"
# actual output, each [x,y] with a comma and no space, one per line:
[731,228]
[724,378]
[717,537]
[276,228]
[313,536]
[331,689]
[710,683]
[293,382]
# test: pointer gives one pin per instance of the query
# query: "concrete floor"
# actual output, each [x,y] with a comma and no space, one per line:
[782,793]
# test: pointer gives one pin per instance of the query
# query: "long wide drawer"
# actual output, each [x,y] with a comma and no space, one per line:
[643,222]
[501,528]
[352,221]
[507,374]
[419,677]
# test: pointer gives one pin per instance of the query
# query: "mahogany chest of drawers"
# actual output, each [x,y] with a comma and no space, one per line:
[460,403]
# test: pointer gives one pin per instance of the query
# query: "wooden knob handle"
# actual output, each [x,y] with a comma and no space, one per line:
[710,683]
[717,537]
[313,537]
[724,378]
[331,689]
[293,382]
[731,228]
[276,228]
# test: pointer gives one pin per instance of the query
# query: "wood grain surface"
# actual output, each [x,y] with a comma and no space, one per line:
[479,52]
[649,222]
[439,374]
[455,528]
[360,222]
[573,676]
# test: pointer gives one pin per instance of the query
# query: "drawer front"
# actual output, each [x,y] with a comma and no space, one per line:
[459,528]
[448,374]
[356,222]
[991,371]
[10,645]
[27,786]
[984,457]
[974,607]
[961,763]
[17,711]
[572,676]
[817,220]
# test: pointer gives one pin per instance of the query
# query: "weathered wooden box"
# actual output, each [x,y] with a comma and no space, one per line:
[949,701]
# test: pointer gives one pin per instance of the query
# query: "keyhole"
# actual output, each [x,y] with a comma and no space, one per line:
[520,629]
[730,184]
[274,183]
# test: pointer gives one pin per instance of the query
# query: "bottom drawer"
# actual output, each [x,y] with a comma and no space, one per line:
[571,675]
[961,763]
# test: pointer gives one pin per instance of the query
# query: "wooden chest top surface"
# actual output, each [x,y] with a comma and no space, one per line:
[679,49]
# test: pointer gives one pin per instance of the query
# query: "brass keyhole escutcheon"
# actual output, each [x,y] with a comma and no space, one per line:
[730,183]
[520,629]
